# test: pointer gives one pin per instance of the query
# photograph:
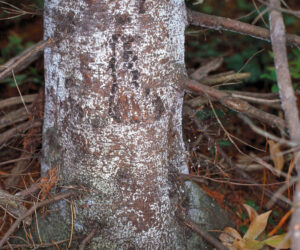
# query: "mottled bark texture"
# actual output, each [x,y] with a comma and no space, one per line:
[113,117]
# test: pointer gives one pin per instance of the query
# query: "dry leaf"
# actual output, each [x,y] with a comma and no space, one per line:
[229,236]
[251,212]
[276,155]
[257,226]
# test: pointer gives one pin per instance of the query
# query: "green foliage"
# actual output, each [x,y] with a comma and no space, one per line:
[288,19]
[252,204]
[238,61]
[223,143]
[243,216]
[294,66]
[207,114]
[11,82]
[243,229]
[14,48]
[244,5]
[204,49]
[39,3]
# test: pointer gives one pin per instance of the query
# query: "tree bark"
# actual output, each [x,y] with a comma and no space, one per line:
[113,118]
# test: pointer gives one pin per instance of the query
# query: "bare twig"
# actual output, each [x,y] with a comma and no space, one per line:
[216,79]
[279,9]
[13,117]
[267,134]
[30,145]
[17,100]
[206,236]
[12,204]
[38,246]
[288,101]
[203,71]
[222,23]
[87,239]
[18,129]
[236,104]
[21,61]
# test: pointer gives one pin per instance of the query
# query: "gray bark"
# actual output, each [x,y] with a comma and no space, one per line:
[113,121]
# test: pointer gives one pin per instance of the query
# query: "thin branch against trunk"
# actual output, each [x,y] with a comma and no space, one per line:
[206,236]
[236,104]
[223,23]
[21,61]
[87,239]
[288,101]
[14,117]
[17,100]
[18,129]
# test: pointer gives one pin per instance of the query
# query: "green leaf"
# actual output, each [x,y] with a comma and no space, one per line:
[275,88]
[11,82]
[288,19]
[252,204]
[244,5]
[243,229]
[202,114]
[223,143]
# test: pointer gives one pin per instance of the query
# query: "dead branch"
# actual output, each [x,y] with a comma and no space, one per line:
[14,117]
[32,210]
[21,61]
[30,144]
[87,239]
[223,23]
[18,129]
[282,202]
[13,205]
[17,100]
[206,236]
[38,246]
[235,103]
[221,78]
[288,101]
[203,71]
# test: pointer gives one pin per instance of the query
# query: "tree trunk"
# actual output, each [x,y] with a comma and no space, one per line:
[113,117]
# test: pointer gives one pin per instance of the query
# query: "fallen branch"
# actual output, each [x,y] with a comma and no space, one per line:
[223,23]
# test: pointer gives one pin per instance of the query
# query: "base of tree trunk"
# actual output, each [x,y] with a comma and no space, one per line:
[203,210]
